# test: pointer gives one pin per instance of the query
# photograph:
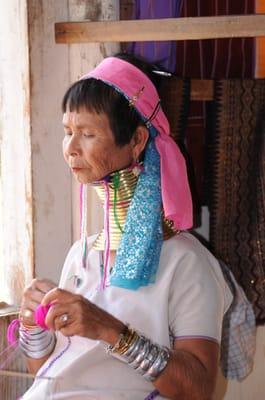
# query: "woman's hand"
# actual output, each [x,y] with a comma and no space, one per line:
[32,297]
[72,314]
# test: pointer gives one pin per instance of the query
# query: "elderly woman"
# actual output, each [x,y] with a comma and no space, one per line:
[139,308]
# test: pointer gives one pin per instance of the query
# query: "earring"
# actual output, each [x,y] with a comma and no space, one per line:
[136,167]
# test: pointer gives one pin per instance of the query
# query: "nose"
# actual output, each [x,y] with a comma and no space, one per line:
[72,146]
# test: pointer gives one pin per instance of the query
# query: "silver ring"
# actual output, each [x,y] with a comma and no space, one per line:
[64,318]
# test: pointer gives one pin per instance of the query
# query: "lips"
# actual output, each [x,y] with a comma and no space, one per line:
[76,169]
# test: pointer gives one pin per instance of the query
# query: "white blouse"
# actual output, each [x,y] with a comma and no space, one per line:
[188,299]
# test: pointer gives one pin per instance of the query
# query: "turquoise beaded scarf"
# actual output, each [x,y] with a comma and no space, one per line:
[138,255]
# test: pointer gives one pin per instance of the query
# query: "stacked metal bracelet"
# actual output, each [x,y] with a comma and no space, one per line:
[35,342]
[147,358]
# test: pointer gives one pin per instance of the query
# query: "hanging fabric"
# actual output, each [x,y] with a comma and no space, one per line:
[260,45]
[219,58]
[237,200]
[161,52]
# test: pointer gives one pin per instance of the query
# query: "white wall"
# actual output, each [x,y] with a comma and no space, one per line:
[53,68]
[49,69]
[16,254]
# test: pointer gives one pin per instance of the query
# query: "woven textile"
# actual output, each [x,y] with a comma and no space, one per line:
[237,201]
[175,99]
[211,59]
[216,58]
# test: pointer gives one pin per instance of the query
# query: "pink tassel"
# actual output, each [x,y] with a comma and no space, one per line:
[83,219]
[40,315]
[12,331]
[107,236]
[81,206]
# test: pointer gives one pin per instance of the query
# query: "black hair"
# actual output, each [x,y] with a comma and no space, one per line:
[96,96]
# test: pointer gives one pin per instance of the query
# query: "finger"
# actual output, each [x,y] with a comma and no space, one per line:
[29,305]
[68,330]
[62,321]
[36,296]
[58,295]
[44,285]
[53,320]
[27,315]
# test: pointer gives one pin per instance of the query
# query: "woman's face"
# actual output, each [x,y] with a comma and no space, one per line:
[89,147]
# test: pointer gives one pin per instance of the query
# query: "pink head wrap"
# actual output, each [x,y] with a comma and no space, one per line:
[138,88]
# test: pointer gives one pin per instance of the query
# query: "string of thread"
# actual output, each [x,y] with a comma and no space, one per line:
[83,207]
[106,235]
[9,357]
[152,395]
[42,374]
[12,332]
[116,183]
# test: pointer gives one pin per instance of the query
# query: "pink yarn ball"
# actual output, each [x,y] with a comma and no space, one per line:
[40,315]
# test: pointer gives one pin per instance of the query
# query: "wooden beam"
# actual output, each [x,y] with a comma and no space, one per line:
[161,29]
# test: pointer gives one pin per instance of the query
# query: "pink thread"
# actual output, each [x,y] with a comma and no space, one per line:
[107,235]
[84,253]
[8,357]
[9,348]
[83,220]
[40,315]
[81,206]
[12,332]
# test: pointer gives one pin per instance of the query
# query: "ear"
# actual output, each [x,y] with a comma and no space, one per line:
[139,141]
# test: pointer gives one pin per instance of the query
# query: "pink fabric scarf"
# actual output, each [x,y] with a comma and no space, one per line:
[138,88]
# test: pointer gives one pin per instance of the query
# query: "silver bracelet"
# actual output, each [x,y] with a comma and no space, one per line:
[36,342]
[149,359]
[32,331]
[34,339]
[40,353]
[158,365]
[141,355]
[136,349]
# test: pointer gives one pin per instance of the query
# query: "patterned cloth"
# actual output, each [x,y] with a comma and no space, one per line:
[239,332]
[214,59]
[236,185]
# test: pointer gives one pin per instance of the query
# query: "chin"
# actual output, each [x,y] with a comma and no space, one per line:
[84,179]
